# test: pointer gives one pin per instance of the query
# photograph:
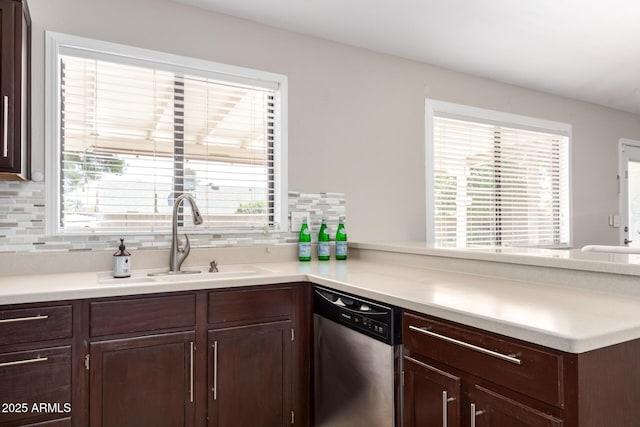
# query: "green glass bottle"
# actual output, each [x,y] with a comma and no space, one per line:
[304,242]
[341,240]
[324,248]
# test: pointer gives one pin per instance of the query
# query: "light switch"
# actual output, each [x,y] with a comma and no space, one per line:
[616,221]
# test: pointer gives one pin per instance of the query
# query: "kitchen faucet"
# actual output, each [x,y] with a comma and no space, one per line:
[178,255]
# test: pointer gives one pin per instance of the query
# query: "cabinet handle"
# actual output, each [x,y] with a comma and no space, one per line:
[191,373]
[506,357]
[215,370]
[474,413]
[5,126]
[445,401]
[444,408]
[24,319]
[23,362]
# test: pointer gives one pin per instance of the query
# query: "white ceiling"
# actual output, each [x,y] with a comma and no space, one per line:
[583,49]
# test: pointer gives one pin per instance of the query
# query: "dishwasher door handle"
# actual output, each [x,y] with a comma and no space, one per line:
[343,306]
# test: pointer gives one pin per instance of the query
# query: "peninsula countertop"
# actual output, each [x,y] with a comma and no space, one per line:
[563,318]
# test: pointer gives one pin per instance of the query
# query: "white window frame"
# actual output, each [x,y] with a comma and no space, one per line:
[623,187]
[57,43]
[433,107]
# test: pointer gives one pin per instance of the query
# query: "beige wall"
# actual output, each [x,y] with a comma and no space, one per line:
[356,120]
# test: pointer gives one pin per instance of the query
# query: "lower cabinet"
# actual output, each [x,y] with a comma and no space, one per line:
[459,376]
[225,358]
[259,367]
[35,384]
[251,376]
[143,381]
[431,396]
[36,365]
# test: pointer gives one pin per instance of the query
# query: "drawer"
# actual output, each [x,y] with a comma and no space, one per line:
[128,315]
[34,377]
[527,369]
[252,305]
[35,324]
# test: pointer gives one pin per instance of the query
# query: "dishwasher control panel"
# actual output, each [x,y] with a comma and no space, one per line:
[366,323]
[374,319]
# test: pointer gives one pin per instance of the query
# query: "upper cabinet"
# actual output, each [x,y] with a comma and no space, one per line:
[15,90]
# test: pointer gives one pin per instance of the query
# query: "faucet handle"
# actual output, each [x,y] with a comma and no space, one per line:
[187,246]
[182,254]
[213,266]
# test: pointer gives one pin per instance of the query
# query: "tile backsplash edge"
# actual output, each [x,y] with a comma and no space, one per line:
[22,224]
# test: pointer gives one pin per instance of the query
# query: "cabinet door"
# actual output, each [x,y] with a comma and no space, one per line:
[431,396]
[143,381]
[250,376]
[15,90]
[7,83]
[490,409]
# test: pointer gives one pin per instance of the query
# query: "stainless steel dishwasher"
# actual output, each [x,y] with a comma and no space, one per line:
[356,361]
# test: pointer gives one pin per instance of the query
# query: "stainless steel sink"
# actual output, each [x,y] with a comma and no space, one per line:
[225,272]
[187,275]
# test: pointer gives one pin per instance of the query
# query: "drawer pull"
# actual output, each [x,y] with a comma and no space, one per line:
[24,319]
[23,362]
[482,350]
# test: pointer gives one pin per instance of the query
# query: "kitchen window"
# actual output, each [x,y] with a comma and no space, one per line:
[131,129]
[496,179]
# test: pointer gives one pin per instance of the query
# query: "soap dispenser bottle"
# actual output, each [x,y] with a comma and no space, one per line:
[121,262]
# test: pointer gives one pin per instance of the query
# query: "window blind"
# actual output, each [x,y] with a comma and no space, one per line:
[134,137]
[496,185]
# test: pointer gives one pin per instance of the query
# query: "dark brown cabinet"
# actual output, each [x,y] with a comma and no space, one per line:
[432,396]
[453,374]
[221,358]
[141,368]
[490,380]
[229,357]
[36,365]
[251,358]
[143,381]
[15,88]
[250,381]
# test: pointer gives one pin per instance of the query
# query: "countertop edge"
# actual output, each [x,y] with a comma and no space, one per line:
[541,258]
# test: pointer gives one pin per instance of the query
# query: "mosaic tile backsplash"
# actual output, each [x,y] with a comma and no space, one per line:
[22,224]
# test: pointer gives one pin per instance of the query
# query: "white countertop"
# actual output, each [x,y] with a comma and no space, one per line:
[568,319]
